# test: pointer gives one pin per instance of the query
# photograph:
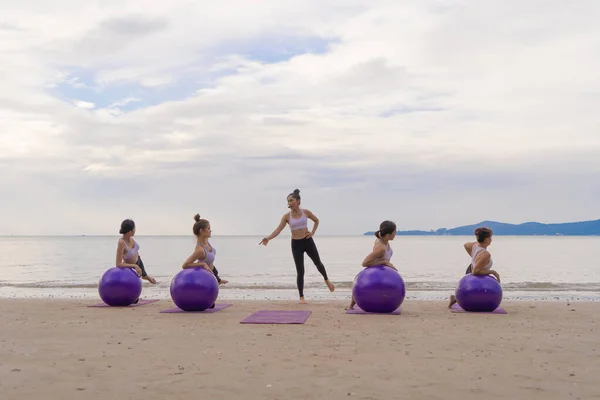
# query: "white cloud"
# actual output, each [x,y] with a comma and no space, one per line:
[114,108]
[84,104]
[432,113]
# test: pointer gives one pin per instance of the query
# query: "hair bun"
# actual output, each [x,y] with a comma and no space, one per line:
[296,191]
[197,217]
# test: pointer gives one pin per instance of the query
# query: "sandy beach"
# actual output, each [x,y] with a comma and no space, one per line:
[62,349]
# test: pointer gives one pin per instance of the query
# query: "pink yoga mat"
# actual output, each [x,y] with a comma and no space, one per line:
[277,317]
[139,303]
[358,310]
[457,309]
[218,307]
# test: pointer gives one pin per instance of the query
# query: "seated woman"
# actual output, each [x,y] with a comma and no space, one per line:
[128,251]
[481,259]
[382,252]
[204,253]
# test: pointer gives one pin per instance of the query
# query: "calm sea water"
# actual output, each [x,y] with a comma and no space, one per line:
[532,268]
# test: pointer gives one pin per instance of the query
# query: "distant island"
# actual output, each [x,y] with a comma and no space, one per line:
[584,228]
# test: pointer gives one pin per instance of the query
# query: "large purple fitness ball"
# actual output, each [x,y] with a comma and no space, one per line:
[194,289]
[378,289]
[478,293]
[120,287]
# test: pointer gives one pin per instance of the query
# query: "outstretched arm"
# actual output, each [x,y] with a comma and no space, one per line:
[277,230]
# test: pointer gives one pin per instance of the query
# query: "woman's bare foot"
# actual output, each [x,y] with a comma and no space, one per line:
[302,301]
[150,279]
[352,304]
[330,286]
[223,281]
[452,301]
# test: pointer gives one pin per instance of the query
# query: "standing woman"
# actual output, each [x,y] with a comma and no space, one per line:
[128,255]
[302,240]
[481,259]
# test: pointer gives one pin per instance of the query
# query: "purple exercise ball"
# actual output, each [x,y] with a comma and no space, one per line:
[120,287]
[478,293]
[194,289]
[378,289]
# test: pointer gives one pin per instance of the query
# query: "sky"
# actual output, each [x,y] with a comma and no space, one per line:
[430,113]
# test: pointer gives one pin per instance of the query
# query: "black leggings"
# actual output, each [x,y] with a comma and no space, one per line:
[216,274]
[308,246]
[469,269]
[140,264]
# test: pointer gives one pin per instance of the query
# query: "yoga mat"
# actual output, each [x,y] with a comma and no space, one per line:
[218,307]
[277,317]
[457,309]
[139,303]
[358,310]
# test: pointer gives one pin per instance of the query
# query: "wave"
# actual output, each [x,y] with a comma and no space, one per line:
[425,286]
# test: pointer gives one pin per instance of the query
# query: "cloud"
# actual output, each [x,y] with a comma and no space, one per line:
[84,104]
[9,26]
[432,113]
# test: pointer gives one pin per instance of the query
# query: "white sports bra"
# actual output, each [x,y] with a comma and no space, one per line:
[388,251]
[474,252]
[299,223]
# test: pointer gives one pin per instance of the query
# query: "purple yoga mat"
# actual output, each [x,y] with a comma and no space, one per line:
[277,317]
[457,309]
[358,310]
[139,303]
[218,307]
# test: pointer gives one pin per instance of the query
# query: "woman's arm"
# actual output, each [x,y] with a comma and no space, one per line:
[120,263]
[191,262]
[375,257]
[314,219]
[277,230]
[481,261]
[469,247]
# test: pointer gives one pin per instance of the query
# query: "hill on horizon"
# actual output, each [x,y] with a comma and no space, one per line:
[583,228]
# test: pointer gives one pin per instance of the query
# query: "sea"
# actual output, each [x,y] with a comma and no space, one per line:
[544,268]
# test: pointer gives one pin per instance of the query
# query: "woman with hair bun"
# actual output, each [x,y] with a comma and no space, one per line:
[204,253]
[481,259]
[127,251]
[302,240]
[382,252]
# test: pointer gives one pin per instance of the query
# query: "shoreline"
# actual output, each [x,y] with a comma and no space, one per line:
[539,350]
[168,302]
[344,294]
